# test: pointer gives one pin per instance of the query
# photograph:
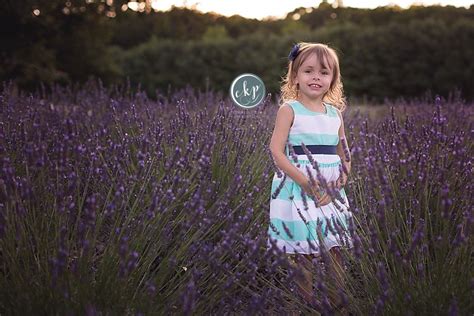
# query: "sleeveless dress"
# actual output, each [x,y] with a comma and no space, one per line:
[295,220]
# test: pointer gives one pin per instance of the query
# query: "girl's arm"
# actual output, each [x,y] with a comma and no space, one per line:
[340,148]
[283,123]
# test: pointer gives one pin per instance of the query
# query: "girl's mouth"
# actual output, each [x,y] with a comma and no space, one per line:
[315,86]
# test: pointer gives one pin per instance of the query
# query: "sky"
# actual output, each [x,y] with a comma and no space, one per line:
[263,8]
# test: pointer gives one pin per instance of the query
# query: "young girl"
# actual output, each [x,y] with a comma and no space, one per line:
[308,144]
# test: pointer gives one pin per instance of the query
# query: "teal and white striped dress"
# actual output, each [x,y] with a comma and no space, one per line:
[292,227]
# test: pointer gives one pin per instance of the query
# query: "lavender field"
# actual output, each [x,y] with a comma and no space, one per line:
[115,204]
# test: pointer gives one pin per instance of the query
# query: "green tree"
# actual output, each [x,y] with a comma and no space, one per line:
[215,33]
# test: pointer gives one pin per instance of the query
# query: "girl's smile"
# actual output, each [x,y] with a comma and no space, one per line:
[315,86]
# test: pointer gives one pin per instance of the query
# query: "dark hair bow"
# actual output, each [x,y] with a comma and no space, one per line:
[294,52]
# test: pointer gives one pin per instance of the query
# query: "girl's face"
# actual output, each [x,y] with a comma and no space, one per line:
[314,79]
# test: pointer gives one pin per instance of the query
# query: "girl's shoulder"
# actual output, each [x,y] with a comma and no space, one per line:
[294,105]
[289,103]
[287,111]
[289,106]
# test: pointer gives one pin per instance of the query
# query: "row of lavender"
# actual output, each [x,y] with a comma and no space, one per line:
[111,202]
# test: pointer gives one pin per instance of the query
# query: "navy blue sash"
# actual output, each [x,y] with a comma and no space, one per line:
[317,149]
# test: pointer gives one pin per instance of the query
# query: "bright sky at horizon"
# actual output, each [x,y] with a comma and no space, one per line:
[264,8]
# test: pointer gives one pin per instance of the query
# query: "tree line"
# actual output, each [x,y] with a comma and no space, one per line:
[384,53]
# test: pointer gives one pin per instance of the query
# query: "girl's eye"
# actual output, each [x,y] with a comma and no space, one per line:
[307,71]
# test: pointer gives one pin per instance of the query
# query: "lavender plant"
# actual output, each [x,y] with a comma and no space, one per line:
[115,203]
[414,219]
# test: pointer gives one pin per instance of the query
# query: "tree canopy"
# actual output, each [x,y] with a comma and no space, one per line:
[385,52]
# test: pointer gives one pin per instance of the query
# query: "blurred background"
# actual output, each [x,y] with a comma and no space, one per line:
[387,49]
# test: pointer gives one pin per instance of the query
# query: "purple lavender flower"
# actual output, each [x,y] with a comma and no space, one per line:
[287,230]
[279,188]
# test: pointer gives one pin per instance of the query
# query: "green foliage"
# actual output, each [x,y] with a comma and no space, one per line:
[55,46]
[384,53]
[404,59]
[294,26]
[215,33]
[160,63]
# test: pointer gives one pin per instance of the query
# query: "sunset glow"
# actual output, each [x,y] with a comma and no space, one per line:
[267,8]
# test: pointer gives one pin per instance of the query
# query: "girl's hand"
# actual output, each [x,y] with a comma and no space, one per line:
[324,200]
[312,190]
[315,192]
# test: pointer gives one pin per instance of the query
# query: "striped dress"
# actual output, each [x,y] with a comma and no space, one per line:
[294,217]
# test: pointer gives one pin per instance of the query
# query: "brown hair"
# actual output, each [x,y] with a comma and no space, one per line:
[324,54]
